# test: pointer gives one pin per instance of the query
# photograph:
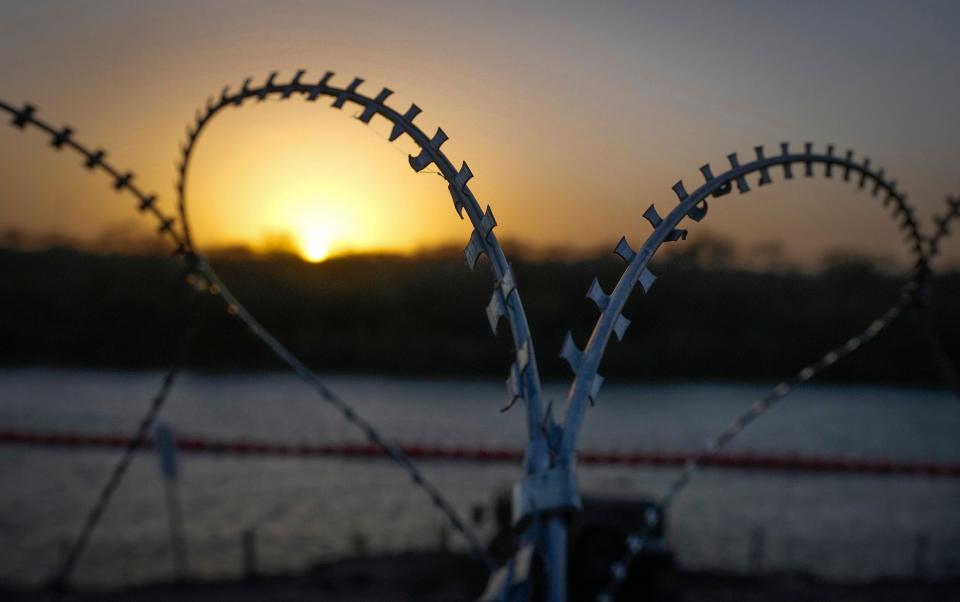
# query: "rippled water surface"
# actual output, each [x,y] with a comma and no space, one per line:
[840,526]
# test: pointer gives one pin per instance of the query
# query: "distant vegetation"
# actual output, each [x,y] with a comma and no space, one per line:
[706,318]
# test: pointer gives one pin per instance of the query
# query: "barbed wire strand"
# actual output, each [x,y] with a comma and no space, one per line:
[638,541]
[393,452]
[95,160]
[187,336]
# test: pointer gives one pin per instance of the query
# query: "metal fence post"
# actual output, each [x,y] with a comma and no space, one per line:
[758,536]
[249,544]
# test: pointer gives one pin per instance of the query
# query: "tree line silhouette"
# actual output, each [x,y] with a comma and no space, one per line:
[708,318]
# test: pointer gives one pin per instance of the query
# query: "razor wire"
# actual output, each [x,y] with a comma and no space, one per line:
[523,380]
[911,295]
[557,493]
[549,489]
[584,363]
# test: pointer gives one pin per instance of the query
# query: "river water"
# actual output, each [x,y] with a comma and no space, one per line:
[850,527]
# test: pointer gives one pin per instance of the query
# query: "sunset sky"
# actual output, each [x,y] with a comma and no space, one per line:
[573,117]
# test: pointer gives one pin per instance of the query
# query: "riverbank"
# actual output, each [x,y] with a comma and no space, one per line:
[436,577]
[380,314]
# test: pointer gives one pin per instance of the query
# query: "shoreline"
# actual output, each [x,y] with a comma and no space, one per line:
[440,576]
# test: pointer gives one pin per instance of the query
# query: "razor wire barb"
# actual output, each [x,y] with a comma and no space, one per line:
[911,295]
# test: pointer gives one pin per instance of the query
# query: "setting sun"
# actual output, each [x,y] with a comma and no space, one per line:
[315,245]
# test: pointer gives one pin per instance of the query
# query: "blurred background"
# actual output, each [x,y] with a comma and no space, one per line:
[574,119]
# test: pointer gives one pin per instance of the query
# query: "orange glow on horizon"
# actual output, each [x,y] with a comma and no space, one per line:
[335,185]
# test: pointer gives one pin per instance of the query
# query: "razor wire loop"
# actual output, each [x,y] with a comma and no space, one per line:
[912,294]
[523,381]
[694,205]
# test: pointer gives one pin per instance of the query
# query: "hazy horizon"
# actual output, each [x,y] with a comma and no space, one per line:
[573,119]
[125,239]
